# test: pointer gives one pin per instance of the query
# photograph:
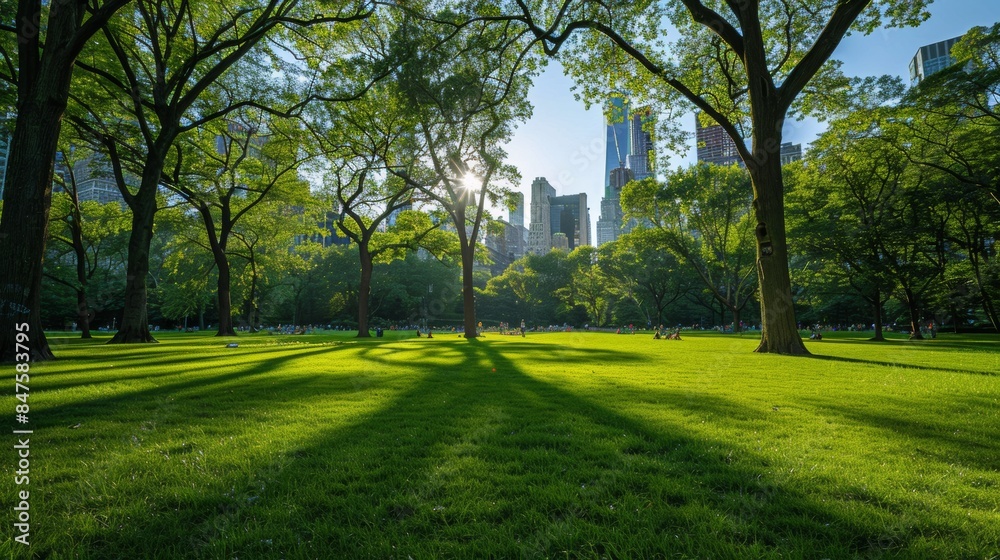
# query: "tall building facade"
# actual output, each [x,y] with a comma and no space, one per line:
[619,138]
[515,214]
[570,216]
[790,152]
[95,180]
[930,59]
[550,215]
[640,160]
[636,166]
[540,228]
[714,144]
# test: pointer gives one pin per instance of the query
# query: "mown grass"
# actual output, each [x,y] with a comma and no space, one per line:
[568,445]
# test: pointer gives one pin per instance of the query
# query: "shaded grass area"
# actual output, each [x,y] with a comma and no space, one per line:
[568,445]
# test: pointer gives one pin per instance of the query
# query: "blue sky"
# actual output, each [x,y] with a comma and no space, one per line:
[564,143]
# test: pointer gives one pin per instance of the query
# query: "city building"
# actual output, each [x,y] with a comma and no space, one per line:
[609,225]
[570,216]
[540,227]
[551,214]
[515,214]
[619,137]
[95,179]
[714,144]
[514,231]
[636,165]
[640,159]
[930,59]
[790,152]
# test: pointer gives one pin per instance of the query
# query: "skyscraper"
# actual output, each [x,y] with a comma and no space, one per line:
[714,144]
[540,229]
[790,152]
[619,138]
[637,163]
[609,225]
[639,160]
[516,214]
[551,214]
[930,59]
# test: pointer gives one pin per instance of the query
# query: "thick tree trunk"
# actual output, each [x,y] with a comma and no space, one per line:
[468,290]
[780,332]
[879,337]
[83,313]
[914,308]
[135,319]
[224,295]
[364,290]
[24,223]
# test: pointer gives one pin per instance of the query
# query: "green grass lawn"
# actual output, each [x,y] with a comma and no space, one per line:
[567,445]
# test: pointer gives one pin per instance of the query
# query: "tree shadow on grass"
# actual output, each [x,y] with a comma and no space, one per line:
[967,343]
[464,462]
[899,364]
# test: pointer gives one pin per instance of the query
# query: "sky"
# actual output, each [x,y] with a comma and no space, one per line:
[564,142]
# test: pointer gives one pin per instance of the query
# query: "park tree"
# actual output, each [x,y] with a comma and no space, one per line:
[641,271]
[973,228]
[588,286]
[466,94]
[950,119]
[530,288]
[84,236]
[163,69]
[747,66]
[702,216]
[39,44]
[361,140]
[841,205]
[232,166]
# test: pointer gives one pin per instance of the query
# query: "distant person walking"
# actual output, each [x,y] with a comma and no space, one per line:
[522,328]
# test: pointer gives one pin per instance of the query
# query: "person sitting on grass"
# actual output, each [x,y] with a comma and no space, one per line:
[674,335]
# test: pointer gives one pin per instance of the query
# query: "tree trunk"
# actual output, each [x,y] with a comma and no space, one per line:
[468,290]
[779,331]
[83,313]
[364,289]
[135,319]
[24,224]
[914,308]
[76,229]
[224,295]
[879,337]
[988,306]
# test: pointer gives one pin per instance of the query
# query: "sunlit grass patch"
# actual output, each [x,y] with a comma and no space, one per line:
[577,445]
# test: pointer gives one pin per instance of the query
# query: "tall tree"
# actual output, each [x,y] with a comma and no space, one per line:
[362,139]
[702,216]
[39,44]
[466,93]
[237,164]
[166,69]
[83,232]
[951,122]
[842,204]
[644,273]
[742,64]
